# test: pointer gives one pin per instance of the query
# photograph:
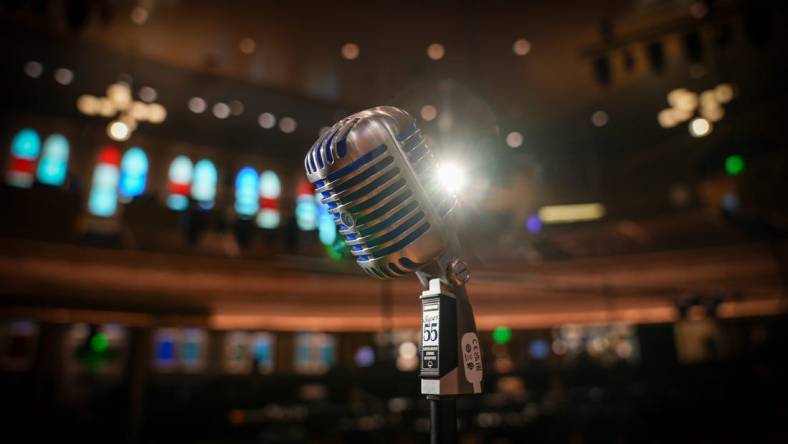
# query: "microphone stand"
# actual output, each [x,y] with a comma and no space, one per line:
[450,350]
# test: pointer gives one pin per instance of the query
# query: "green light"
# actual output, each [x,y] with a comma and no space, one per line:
[337,250]
[502,334]
[734,165]
[99,342]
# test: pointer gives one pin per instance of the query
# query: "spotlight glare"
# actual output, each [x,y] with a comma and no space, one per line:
[451,176]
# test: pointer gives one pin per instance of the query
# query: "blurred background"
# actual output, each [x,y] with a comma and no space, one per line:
[166,274]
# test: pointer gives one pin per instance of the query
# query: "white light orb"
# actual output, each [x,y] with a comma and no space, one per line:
[118,130]
[699,127]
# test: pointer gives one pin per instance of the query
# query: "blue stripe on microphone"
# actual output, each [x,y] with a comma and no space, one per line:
[396,232]
[384,209]
[368,188]
[364,175]
[363,160]
[390,220]
[376,199]
[402,242]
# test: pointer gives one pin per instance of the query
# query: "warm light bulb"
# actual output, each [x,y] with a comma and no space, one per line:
[118,130]
[699,127]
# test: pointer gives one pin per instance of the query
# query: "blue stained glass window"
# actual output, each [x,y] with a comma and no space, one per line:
[315,353]
[270,189]
[246,193]
[133,173]
[26,144]
[54,160]
[103,199]
[204,183]
[165,351]
[180,175]
[306,207]
[263,349]
[25,148]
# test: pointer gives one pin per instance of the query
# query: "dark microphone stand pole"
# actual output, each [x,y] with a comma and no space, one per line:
[451,363]
[443,420]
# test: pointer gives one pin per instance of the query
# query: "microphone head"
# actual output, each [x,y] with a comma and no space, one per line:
[376,174]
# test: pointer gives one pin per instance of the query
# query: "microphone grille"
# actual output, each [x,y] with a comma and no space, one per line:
[371,170]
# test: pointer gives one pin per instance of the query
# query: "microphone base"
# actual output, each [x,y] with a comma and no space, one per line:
[451,359]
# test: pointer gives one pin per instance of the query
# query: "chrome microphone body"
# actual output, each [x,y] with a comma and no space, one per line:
[375,173]
[378,178]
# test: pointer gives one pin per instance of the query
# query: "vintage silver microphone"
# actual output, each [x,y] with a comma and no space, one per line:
[378,178]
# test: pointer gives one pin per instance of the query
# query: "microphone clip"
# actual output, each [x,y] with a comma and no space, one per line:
[451,356]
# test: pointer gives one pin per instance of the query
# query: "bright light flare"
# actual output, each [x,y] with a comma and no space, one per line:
[452,176]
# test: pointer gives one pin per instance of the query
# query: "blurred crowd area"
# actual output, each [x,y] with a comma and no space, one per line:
[694,381]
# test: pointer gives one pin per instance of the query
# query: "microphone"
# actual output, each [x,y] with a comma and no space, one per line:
[377,176]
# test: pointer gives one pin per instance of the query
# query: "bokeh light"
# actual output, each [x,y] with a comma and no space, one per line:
[502,334]
[247,45]
[599,118]
[267,120]
[197,105]
[514,139]
[64,76]
[428,113]
[287,124]
[436,51]
[350,51]
[734,165]
[699,127]
[521,47]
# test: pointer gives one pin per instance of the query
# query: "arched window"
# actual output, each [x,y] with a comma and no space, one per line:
[263,352]
[103,199]
[246,193]
[326,229]
[315,353]
[24,151]
[133,174]
[204,183]
[165,349]
[270,189]
[237,353]
[180,175]
[54,160]
[192,351]
[306,207]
